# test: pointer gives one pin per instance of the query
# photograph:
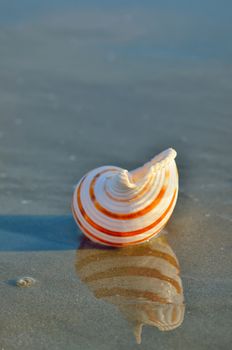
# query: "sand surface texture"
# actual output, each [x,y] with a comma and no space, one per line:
[88,85]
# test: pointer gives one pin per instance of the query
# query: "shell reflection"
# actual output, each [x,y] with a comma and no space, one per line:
[142,281]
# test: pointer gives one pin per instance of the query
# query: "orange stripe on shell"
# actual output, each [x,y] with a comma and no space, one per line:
[119,233]
[144,189]
[128,216]
[113,244]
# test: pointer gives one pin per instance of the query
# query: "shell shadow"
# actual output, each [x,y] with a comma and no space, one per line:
[38,233]
[142,281]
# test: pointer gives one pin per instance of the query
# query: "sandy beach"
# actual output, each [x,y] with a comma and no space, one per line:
[60,310]
[84,86]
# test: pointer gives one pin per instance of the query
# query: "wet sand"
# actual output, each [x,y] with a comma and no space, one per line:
[81,87]
[61,310]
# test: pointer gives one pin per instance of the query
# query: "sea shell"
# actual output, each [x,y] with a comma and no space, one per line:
[142,281]
[118,208]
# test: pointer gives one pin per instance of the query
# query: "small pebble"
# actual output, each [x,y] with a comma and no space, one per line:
[25,282]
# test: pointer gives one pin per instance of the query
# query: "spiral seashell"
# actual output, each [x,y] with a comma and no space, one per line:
[119,208]
[142,281]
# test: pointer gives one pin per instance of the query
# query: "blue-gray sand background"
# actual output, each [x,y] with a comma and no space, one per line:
[91,83]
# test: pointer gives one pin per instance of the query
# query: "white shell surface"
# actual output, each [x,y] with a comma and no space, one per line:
[115,207]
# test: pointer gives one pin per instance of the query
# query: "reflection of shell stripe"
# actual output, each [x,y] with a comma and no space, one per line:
[129,293]
[141,252]
[147,289]
[133,271]
[128,216]
[115,279]
[145,188]
[118,233]
[103,241]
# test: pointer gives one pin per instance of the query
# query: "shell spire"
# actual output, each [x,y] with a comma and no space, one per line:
[122,181]
[117,207]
